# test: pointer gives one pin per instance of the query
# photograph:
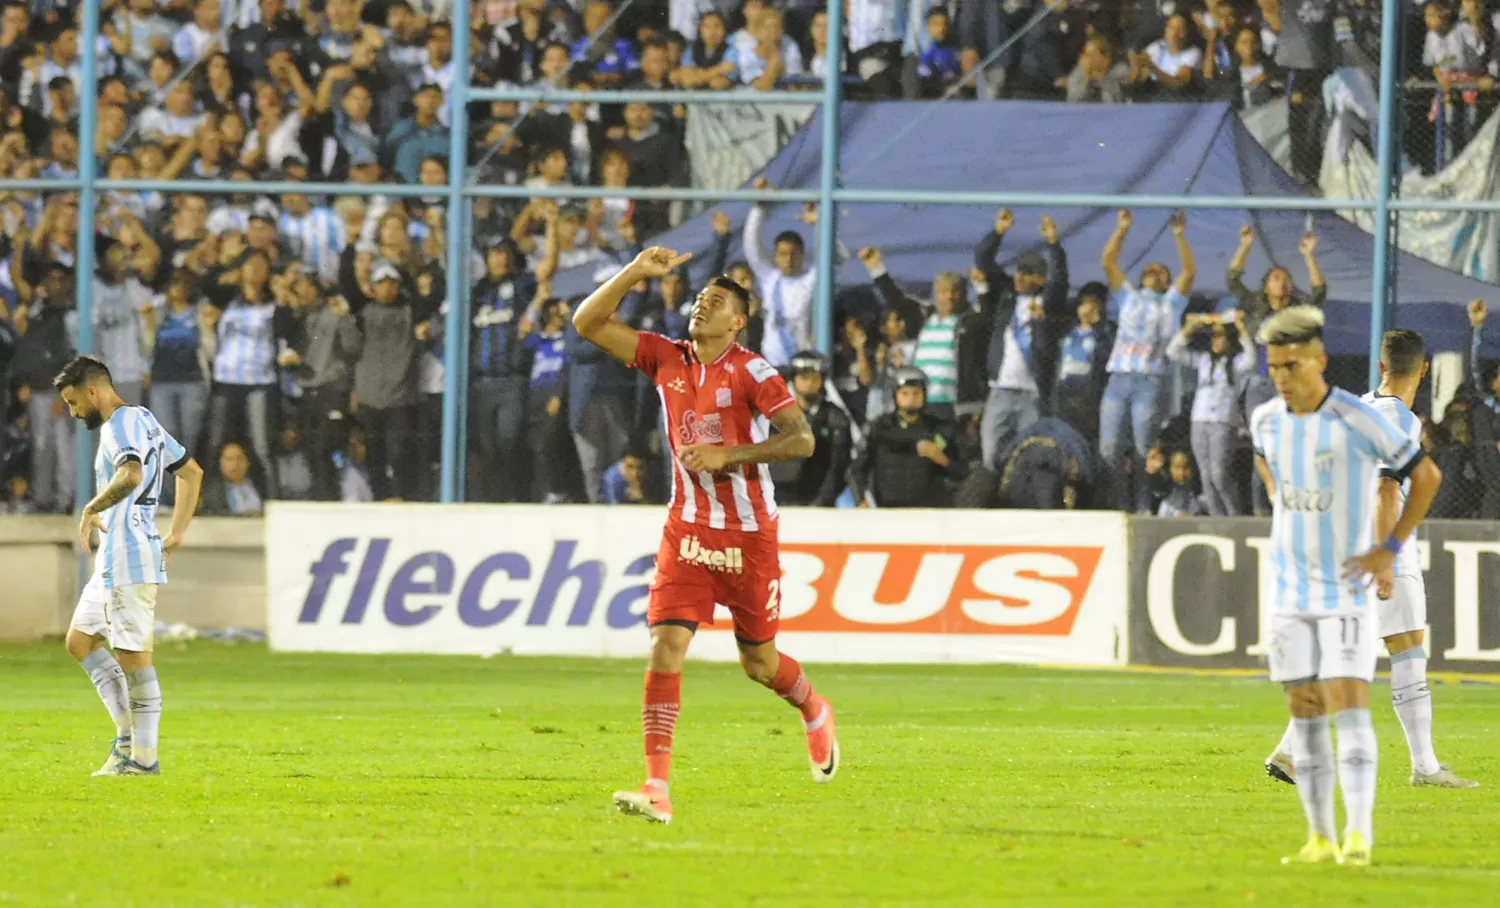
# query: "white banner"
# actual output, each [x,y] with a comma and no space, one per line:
[858,586]
[730,143]
[1463,241]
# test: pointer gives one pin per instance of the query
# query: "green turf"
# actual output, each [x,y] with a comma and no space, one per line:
[332,780]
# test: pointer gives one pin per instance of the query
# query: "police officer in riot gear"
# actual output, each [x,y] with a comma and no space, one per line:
[817,481]
[909,454]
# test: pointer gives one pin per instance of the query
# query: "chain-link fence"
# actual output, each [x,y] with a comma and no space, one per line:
[247,313]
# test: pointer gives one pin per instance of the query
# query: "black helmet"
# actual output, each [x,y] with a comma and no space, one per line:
[909,377]
[810,361]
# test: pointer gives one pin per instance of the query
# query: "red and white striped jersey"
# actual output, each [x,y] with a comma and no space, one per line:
[729,401]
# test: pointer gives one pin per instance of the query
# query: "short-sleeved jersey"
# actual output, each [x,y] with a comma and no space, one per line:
[1409,559]
[130,549]
[1325,466]
[729,401]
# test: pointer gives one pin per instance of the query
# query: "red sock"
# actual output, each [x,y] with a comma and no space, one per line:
[792,686]
[659,711]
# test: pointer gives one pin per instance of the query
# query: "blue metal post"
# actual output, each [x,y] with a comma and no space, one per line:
[1385,165]
[828,182]
[83,272]
[455,324]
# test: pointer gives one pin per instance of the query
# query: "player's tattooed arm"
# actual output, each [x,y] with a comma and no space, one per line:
[793,440]
[127,477]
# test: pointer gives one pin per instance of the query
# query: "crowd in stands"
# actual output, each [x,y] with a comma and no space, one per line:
[295,343]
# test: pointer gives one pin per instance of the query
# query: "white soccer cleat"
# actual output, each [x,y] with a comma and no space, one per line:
[1443,778]
[647,801]
[119,752]
[1279,767]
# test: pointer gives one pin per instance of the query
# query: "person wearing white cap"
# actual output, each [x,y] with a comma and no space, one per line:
[391,330]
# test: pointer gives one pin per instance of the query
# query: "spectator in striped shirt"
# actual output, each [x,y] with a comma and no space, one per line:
[1216,416]
[175,120]
[316,235]
[936,353]
[1136,396]
[243,349]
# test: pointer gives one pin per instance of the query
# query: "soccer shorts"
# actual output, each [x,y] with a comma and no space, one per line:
[1406,610]
[1323,647]
[125,615]
[697,567]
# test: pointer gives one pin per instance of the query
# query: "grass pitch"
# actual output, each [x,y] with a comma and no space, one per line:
[332,780]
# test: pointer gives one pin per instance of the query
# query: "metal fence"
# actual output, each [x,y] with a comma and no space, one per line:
[829,194]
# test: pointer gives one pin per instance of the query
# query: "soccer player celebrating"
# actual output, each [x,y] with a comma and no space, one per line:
[719,544]
[1401,599]
[1320,450]
[118,606]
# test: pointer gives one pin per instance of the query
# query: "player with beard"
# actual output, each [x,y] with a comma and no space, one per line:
[118,606]
[719,545]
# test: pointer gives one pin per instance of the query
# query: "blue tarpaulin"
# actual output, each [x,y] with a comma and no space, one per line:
[1021,146]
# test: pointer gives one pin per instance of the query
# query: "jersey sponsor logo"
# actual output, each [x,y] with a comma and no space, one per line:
[1306,501]
[707,429]
[727,560]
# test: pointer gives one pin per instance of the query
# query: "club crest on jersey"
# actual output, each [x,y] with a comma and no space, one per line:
[1323,462]
[730,560]
[723,397]
[678,385]
[707,429]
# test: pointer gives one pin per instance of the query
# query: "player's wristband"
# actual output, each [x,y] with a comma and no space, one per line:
[1392,544]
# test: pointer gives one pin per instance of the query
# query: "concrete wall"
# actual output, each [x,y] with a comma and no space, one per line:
[218,578]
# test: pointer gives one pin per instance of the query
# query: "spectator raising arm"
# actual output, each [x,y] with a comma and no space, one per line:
[1188,271]
[1110,259]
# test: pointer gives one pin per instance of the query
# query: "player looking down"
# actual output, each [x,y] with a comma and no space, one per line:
[1320,451]
[1401,599]
[719,544]
[118,606]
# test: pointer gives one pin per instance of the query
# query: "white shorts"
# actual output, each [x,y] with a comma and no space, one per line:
[125,615]
[1406,610]
[1323,647]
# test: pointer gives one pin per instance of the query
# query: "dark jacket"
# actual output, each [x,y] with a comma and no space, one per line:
[386,375]
[44,349]
[1486,459]
[328,344]
[997,309]
[818,480]
[1049,467]
[890,468]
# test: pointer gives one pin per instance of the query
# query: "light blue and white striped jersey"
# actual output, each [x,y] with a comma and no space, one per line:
[1409,559]
[1325,466]
[1147,320]
[130,548]
[317,238]
[247,344]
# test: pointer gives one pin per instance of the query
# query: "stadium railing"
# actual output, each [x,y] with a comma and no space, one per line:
[828,195]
